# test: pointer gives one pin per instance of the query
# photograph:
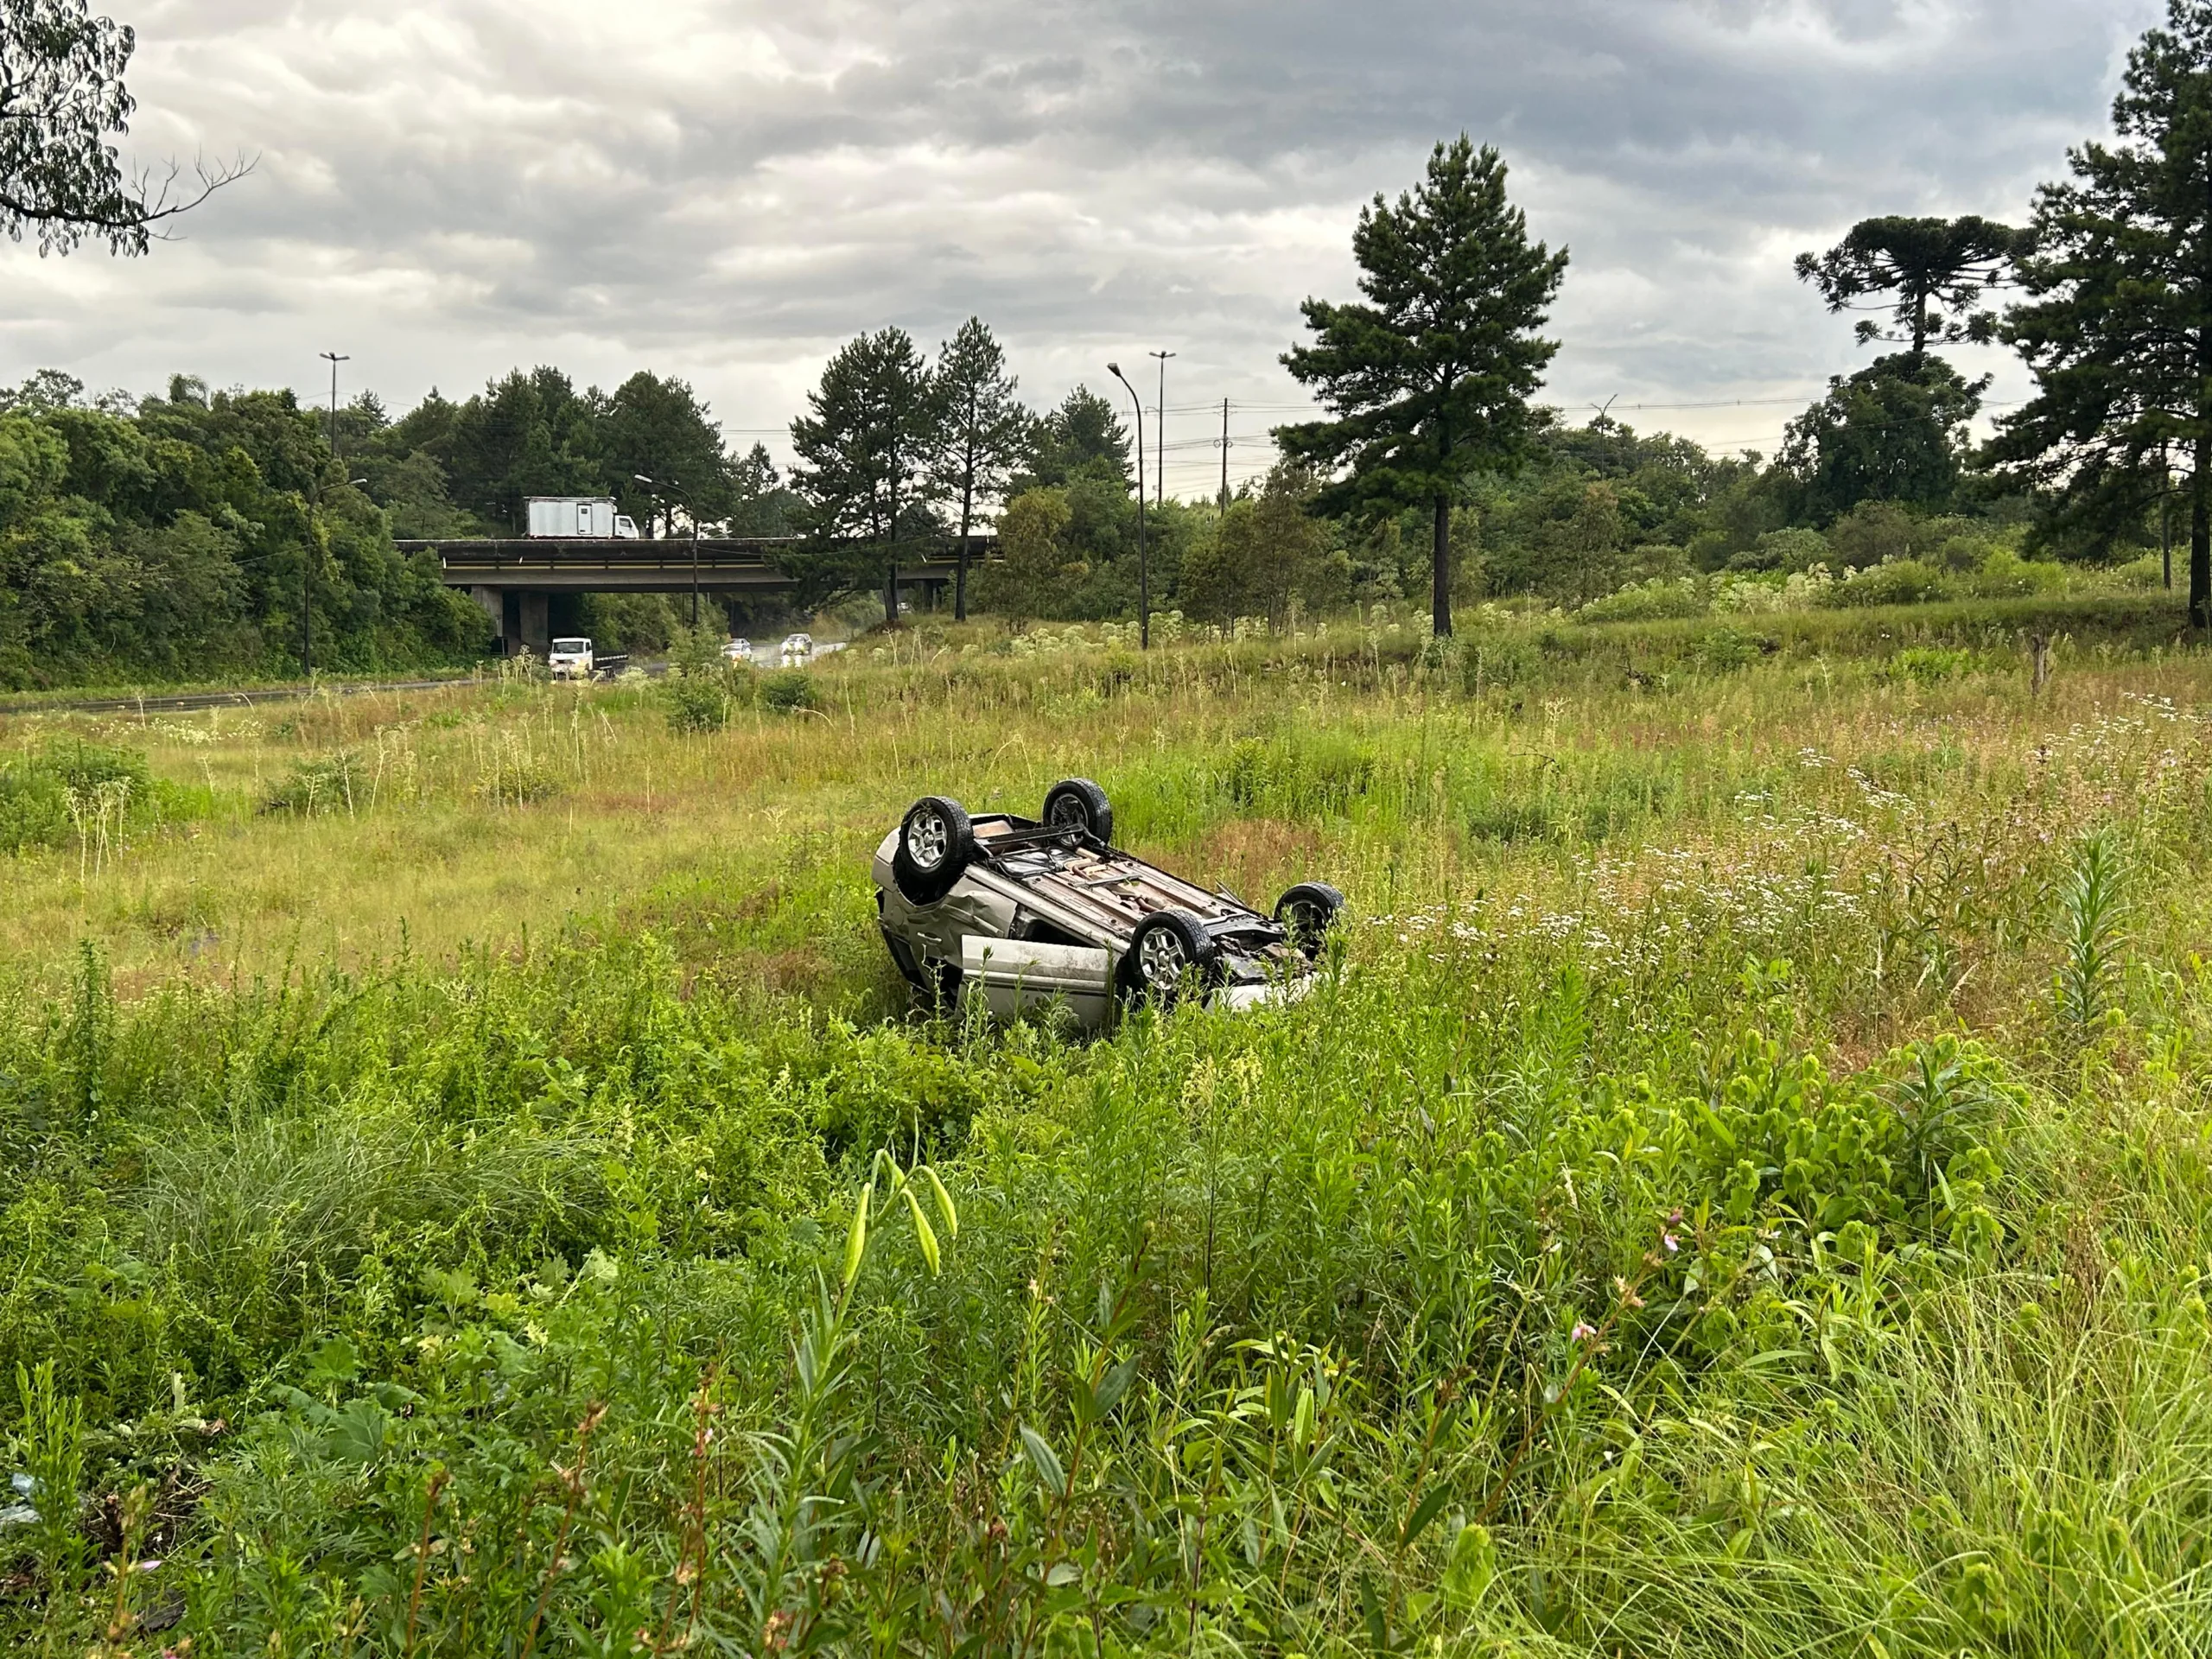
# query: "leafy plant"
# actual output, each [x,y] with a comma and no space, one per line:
[53,1450]
[788,690]
[2091,917]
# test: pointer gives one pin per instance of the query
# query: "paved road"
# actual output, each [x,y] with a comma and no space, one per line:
[248,697]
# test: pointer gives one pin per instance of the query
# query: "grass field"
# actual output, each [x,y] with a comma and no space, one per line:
[1739,1187]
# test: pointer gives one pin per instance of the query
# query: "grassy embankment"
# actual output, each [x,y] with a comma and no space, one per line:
[1743,1188]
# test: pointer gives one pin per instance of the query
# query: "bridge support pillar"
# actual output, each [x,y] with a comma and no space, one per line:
[521,618]
[533,624]
[491,602]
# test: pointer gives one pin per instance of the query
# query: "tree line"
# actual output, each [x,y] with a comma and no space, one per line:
[198,531]
[192,535]
[1428,380]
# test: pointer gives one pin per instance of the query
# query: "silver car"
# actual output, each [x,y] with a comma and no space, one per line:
[1027,911]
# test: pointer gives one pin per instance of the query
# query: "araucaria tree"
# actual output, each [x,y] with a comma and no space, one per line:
[2118,326]
[985,433]
[61,96]
[865,451]
[1931,275]
[1429,381]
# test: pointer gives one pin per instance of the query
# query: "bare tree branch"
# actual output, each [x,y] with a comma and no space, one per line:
[61,97]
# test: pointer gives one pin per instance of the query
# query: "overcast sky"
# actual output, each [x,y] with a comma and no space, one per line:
[726,189]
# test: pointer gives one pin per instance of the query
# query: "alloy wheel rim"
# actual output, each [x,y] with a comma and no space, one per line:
[1068,813]
[927,838]
[1164,960]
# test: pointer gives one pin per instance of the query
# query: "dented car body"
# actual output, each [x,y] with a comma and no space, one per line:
[1030,911]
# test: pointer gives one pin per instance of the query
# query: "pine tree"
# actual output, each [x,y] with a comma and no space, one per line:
[1430,380]
[985,435]
[1939,270]
[864,452]
[663,452]
[2117,328]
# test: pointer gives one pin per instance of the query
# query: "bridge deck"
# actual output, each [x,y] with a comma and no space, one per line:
[665,565]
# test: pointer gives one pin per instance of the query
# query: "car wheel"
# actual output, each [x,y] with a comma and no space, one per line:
[1307,913]
[936,844]
[1078,803]
[1170,953]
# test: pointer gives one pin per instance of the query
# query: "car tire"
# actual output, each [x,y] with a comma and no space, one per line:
[1307,913]
[1078,803]
[1170,953]
[935,844]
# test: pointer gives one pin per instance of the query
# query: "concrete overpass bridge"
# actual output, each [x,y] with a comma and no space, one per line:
[529,586]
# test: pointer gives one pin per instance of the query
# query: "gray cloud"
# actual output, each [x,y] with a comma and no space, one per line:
[726,190]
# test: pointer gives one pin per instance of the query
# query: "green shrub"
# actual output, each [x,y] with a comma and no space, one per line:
[789,689]
[1725,650]
[1648,601]
[87,767]
[1900,582]
[34,808]
[1931,664]
[1491,660]
[2147,572]
[1784,550]
[319,786]
[42,795]
[694,702]
[1306,776]
[2004,574]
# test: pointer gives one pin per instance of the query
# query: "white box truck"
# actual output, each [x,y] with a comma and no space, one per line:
[575,516]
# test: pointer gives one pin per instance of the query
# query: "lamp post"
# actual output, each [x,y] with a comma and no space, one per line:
[677,495]
[1160,430]
[333,358]
[1144,585]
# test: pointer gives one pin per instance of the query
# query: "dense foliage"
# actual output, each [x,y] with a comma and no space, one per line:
[180,536]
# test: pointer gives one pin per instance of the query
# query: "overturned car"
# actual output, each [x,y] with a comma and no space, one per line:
[1027,911]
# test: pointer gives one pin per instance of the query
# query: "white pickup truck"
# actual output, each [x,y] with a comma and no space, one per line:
[574,659]
[579,518]
[571,659]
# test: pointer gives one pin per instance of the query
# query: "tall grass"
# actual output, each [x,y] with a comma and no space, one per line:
[1683,1219]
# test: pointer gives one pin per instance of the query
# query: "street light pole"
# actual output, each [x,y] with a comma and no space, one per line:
[1144,584]
[306,556]
[333,358]
[1159,429]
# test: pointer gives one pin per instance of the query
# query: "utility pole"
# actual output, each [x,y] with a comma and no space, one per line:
[307,556]
[1225,454]
[1144,584]
[1159,436]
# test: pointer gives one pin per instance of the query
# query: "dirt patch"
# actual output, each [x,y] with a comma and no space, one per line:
[1255,858]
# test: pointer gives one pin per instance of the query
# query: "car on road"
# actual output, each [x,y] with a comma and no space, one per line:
[571,659]
[798,650]
[738,650]
[1028,912]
